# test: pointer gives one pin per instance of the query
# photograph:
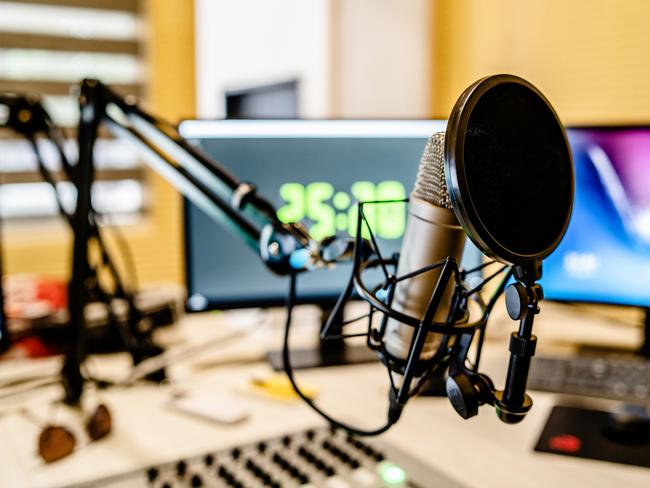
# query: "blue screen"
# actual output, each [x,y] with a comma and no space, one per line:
[605,254]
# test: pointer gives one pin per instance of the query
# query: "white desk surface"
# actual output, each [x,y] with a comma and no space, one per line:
[481,452]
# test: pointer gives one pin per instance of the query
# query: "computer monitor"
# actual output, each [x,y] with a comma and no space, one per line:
[274,101]
[605,254]
[313,171]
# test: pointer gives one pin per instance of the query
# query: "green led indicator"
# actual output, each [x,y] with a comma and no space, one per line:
[362,191]
[341,222]
[391,217]
[294,195]
[341,200]
[323,216]
[392,474]
[328,211]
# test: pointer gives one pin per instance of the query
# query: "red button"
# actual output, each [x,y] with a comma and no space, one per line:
[565,443]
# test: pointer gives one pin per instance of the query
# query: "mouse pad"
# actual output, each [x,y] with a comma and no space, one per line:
[580,432]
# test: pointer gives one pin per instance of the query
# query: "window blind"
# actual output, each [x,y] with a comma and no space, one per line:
[47,47]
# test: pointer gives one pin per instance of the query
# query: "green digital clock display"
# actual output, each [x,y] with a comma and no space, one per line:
[333,212]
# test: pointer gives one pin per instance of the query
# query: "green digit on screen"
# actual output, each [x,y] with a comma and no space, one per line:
[362,191]
[322,214]
[294,210]
[391,217]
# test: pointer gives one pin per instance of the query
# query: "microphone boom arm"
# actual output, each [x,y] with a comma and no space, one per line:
[284,247]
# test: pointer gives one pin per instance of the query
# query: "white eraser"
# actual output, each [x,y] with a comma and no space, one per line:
[217,407]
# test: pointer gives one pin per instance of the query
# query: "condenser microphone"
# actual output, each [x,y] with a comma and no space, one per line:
[432,234]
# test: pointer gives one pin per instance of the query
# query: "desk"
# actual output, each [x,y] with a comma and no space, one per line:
[481,452]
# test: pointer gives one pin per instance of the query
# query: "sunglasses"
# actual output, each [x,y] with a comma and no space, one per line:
[57,441]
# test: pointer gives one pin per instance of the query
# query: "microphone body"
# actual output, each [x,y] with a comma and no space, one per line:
[432,234]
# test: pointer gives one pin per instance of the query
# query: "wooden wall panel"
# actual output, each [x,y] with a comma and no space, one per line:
[589,57]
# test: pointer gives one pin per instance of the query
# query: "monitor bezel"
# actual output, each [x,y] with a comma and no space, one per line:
[382,129]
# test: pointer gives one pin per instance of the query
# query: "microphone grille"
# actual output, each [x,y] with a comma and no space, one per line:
[430,183]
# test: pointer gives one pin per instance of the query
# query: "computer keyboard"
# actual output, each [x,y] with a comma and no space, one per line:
[617,377]
[310,459]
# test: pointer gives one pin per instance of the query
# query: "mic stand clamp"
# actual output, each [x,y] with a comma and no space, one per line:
[522,302]
[467,390]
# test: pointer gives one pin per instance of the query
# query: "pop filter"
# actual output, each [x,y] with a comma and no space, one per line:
[509,170]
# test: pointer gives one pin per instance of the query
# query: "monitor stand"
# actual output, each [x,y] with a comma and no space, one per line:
[643,350]
[334,352]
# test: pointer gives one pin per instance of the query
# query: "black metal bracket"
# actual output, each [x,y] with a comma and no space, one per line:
[457,333]
[522,301]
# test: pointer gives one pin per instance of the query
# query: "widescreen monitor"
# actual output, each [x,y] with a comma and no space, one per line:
[605,254]
[313,171]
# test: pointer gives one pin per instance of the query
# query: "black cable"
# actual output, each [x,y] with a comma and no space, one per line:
[121,242]
[102,220]
[47,176]
[126,252]
[286,359]
[486,315]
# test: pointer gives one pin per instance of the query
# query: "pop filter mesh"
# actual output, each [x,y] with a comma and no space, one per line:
[518,169]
